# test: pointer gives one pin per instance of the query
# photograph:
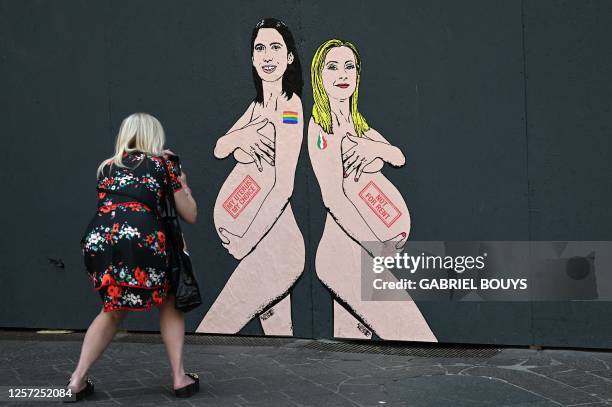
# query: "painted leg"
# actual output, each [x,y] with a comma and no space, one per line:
[338,266]
[262,277]
[276,320]
[347,326]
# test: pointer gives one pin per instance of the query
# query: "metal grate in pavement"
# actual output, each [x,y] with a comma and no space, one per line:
[153,337]
[406,349]
[347,346]
[200,339]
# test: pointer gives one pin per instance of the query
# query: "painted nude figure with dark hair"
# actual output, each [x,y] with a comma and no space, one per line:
[252,214]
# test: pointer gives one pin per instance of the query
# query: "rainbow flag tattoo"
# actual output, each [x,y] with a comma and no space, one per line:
[290,117]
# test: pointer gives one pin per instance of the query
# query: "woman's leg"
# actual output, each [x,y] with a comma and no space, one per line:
[99,334]
[172,327]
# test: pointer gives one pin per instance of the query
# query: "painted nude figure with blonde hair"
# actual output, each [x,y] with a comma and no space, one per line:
[363,206]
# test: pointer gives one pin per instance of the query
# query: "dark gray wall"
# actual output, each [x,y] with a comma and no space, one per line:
[501,108]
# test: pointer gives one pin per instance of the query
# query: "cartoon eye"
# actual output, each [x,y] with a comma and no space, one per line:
[332,67]
[350,66]
[276,47]
[259,47]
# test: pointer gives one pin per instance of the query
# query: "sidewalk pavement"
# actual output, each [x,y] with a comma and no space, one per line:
[270,372]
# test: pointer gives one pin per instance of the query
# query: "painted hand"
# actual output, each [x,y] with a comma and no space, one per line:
[357,153]
[257,140]
[233,243]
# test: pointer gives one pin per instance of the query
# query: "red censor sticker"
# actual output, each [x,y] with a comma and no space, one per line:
[380,204]
[242,195]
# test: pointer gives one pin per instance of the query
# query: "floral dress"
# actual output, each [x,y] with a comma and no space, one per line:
[124,245]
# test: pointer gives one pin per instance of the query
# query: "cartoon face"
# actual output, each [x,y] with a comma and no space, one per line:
[270,55]
[339,73]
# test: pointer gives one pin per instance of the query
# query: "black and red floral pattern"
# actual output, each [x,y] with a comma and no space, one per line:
[124,245]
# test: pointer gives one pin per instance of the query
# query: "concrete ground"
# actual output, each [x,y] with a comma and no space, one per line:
[291,372]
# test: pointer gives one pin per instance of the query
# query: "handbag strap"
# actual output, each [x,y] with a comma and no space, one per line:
[171,204]
[169,193]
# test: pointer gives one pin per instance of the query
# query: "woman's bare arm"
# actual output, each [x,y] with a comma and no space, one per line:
[186,205]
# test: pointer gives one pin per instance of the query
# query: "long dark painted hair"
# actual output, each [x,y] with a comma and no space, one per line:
[292,78]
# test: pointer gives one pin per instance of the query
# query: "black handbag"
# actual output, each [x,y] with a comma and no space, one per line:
[182,278]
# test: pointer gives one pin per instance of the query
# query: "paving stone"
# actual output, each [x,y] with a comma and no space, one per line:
[576,378]
[244,385]
[352,367]
[273,403]
[607,374]
[214,401]
[103,403]
[136,391]
[118,384]
[387,362]
[457,391]
[456,368]
[550,370]
[281,381]
[174,403]
[138,374]
[300,393]
[543,386]
[266,396]
[603,403]
[520,353]
[328,378]
[392,375]
[505,361]
[577,361]
[603,391]
[99,396]
[228,373]
[540,359]
[328,399]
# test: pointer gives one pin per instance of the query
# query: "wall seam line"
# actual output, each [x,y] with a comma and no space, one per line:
[526,129]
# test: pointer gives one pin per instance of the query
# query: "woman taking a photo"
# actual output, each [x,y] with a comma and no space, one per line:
[124,247]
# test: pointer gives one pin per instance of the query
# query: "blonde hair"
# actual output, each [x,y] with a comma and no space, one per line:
[138,132]
[321,111]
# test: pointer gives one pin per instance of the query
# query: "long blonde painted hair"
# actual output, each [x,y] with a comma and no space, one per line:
[138,132]
[321,111]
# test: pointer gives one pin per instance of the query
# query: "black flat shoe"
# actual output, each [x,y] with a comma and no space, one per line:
[86,391]
[190,389]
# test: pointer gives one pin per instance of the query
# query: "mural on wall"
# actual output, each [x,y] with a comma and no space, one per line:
[252,214]
[347,156]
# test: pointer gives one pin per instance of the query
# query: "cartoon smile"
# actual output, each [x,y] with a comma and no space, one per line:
[268,68]
[342,85]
